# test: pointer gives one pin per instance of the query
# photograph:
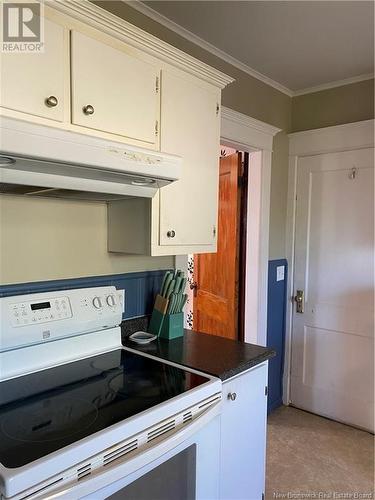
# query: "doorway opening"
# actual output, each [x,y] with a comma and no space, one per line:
[247,134]
[218,280]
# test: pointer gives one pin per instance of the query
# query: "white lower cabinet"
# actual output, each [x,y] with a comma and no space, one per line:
[243,435]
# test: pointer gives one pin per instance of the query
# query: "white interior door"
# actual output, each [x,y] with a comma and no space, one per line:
[332,371]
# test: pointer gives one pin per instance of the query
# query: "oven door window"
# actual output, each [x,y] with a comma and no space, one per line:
[175,478]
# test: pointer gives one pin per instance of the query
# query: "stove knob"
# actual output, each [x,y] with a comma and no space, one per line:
[97,303]
[111,300]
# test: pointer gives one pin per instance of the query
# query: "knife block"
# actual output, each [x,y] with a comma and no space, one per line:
[172,326]
[158,315]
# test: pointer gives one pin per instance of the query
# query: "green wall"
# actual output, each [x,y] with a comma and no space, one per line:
[346,104]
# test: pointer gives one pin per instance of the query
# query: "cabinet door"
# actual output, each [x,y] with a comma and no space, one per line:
[120,87]
[191,129]
[243,436]
[29,79]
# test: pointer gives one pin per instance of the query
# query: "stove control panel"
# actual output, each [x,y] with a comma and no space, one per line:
[40,317]
[24,313]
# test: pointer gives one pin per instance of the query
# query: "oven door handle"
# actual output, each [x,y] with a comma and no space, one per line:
[104,476]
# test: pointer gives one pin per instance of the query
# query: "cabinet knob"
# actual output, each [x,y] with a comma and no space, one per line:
[88,109]
[51,101]
[171,234]
[232,396]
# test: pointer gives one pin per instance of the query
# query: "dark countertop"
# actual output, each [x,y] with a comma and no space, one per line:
[218,356]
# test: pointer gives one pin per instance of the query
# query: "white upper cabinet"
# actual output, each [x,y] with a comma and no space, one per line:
[37,83]
[182,217]
[101,76]
[114,91]
[191,129]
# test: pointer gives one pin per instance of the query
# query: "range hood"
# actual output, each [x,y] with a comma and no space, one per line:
[43,161]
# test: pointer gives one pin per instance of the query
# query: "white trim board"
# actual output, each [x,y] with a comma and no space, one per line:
[345,137]
[197,40]
[247,134]
[93,15]
[330,139]
[240,128]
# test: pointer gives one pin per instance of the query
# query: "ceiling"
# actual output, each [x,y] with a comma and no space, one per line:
[296,44]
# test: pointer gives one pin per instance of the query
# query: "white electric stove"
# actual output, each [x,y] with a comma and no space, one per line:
[83,417]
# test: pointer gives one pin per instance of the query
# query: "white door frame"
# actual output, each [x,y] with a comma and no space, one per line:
[358,135]
[247,134]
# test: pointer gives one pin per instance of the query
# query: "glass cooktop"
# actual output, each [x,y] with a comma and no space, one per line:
[43,412]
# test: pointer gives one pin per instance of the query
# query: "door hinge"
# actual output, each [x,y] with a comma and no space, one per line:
[262,496]
[157,85]
[214,231]
[266,390]
[156,127]
[217,109]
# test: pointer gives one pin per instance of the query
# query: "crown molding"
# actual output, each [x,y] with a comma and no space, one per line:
[97,17]
[332,85]
[188,35]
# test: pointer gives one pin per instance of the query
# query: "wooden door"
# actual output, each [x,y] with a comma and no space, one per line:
[191,129]
[216,274]
[333,338]
[121,88]
[28,80]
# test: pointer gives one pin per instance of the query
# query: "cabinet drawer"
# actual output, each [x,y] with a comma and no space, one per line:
[113,90]
[28,80]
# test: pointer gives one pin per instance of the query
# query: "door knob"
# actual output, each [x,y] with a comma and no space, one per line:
[88,109]
[194,287]
[300,301]
[232,396]
[171,234]
[51,101]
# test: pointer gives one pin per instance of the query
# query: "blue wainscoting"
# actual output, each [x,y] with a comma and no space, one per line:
[140,288]
[276,314]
